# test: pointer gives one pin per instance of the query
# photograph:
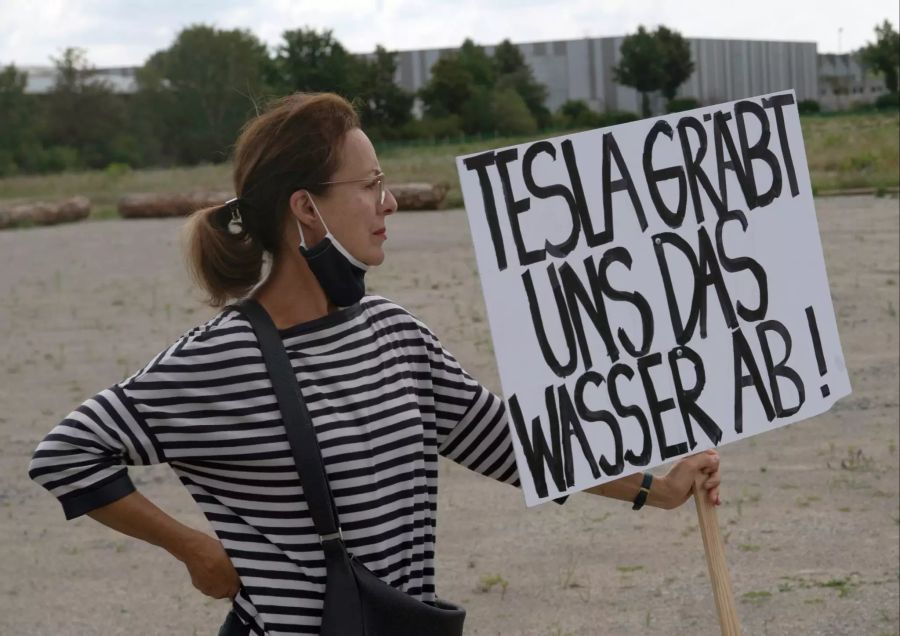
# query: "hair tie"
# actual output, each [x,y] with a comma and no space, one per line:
[236,223]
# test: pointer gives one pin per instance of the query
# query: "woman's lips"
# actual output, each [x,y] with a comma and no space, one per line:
[382,233]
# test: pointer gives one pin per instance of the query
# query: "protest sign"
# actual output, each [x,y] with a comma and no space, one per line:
[653,289]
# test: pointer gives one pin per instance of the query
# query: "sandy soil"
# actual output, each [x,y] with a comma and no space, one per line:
[810,511]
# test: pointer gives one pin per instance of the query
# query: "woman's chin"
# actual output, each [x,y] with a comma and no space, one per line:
[375,258]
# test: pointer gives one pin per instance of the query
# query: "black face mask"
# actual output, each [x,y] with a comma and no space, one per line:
[341,276]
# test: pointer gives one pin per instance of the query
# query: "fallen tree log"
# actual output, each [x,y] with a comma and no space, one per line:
[164,204]
[419,196]
[44,213]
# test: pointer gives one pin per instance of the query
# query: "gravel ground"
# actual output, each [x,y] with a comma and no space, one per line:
[810,513]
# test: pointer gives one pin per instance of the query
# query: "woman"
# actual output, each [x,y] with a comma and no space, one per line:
[384,396]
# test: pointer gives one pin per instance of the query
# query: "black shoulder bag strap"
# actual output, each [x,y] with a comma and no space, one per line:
[308,458]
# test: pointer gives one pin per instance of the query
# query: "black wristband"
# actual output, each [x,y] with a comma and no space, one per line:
[641,498]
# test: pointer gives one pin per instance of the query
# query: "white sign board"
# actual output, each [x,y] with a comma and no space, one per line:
[654,289]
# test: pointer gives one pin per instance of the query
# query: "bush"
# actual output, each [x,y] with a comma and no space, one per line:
[680,104]
[433,128]
[116,170]
[614,117]
[8,165]
[52,159]
[808,107]
[512,114]
[888,101]
[575,113]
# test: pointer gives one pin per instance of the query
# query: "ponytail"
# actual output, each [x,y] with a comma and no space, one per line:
[225,265]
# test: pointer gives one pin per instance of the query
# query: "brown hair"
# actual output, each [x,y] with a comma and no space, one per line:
[293,145]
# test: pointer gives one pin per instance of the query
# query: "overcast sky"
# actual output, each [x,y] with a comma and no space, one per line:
[119,33]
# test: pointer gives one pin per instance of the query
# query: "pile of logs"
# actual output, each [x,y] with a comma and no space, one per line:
[43,213]
[410,196]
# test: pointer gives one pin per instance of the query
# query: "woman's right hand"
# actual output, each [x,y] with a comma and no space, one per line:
[209,566]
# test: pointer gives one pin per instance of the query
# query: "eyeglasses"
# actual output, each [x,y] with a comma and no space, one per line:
[379,179]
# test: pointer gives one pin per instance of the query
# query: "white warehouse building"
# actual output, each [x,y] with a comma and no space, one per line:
[724,70]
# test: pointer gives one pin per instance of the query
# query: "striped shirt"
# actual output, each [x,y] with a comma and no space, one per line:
[385,399]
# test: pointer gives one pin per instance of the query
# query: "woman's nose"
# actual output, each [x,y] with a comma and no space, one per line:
[390,203]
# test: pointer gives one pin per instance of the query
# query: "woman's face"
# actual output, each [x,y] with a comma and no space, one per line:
[352,210]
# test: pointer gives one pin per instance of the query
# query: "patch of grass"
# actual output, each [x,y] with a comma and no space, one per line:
[806,502]
[748,547]
[853,150]
[104,212]
[756,597]
[851,483]
[487,582]
[625,569]
[843,586]
[856,460]
[746,496]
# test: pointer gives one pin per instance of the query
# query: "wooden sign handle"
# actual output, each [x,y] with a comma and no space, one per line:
[715,559]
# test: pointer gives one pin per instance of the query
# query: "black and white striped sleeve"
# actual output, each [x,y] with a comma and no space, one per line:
[83,460]
[471,421]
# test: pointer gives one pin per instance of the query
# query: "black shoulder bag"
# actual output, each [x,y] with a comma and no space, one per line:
[357,603]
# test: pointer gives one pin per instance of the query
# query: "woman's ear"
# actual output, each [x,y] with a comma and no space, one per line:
[302,208]
[303,211]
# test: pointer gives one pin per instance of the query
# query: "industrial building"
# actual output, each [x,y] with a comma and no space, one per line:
[724,70]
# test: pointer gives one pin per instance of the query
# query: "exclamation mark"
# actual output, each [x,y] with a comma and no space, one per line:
[817,345]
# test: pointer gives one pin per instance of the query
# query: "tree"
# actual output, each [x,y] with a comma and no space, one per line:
[654,61]
[514,72]
[81,113]
[384,106]
[479,113]
[883,55]
[449,88]
[17,129]
[456,79]
[472,85]
[201,90]
[477,63]
[308,60]
[641,65]
[677,62]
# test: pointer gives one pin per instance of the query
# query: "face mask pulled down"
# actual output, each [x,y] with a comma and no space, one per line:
[341,276]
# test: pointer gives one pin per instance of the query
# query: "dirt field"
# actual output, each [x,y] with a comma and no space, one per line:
[810,512]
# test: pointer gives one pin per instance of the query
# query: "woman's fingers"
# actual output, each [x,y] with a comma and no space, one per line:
[706,463]
[709,466]
[713,481]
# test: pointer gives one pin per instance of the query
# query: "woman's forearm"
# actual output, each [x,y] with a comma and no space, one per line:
[627,488]
[204,556]
[138,517]
[700,471]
